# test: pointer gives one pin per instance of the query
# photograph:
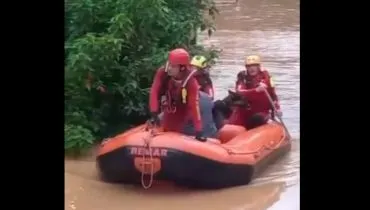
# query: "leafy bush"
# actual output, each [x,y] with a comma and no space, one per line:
[77,139]
[113,48]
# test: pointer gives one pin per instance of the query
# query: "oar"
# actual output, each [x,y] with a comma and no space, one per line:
[275,111]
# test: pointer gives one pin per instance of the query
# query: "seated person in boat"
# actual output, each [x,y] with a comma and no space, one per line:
[202,74]
[254,83]
[204,80]
[175,91]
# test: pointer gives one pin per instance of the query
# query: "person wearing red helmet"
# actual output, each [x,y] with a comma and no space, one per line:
[253,84]
[175,91]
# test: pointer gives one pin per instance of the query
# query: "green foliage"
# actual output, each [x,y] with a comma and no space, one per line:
[116,46]
[77,139]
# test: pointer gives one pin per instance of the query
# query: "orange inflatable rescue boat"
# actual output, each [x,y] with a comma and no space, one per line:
[143,155]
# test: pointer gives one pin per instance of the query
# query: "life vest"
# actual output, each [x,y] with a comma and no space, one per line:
[252,82]
[165,94]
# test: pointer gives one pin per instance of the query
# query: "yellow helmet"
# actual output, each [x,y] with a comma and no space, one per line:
[199,61]
[252,59]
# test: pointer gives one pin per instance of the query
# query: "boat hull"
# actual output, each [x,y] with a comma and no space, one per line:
[185,161]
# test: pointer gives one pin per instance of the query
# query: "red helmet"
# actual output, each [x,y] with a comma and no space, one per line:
[179,56]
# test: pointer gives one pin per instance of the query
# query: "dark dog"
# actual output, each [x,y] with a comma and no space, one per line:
[223,108]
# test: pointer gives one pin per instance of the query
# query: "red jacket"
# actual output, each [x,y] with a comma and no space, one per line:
[206,84]
[176,113]
[259,103]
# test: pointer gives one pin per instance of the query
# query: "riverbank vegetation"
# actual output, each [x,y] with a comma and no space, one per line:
[112,49]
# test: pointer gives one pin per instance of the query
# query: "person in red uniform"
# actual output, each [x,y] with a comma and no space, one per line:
[175,90]
[251,84]
[202,75]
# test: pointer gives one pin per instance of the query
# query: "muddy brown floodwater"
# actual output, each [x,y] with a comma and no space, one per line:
[266,27]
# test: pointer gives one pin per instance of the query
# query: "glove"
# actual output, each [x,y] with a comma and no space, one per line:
[279,113]
[199,136]
[154,119]
[277,105]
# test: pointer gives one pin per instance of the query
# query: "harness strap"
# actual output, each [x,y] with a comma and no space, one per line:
[166,67]
[187,78]
[184,92]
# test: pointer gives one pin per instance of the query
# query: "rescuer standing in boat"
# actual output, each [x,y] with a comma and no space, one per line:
[251,83]
[202,75]
[176,91]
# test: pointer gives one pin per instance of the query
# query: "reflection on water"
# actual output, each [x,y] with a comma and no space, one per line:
[269,28]
[290,199]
